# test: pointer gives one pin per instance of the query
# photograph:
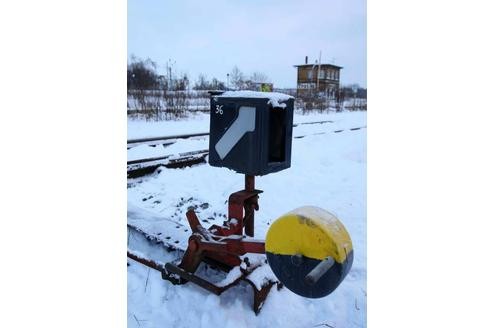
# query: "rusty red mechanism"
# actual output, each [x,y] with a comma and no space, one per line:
[223,245]
[220,246]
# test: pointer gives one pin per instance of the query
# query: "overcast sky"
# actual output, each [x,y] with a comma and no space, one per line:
[212,36]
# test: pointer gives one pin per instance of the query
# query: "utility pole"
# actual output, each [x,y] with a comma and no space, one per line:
[318,75]
[169,73]
[354,89]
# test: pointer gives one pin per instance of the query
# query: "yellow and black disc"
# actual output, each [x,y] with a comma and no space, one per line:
[310,251]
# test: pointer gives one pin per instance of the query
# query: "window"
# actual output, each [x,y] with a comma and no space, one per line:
[310,74]
[306,85]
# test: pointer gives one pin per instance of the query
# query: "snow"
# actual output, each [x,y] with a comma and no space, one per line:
[277,96]
[233,274]
[328,170]
[262,275]
[145,151]
[200,123]
[276,99]
[179,146]
[276,104]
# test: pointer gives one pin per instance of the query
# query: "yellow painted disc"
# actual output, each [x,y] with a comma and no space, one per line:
[299,241]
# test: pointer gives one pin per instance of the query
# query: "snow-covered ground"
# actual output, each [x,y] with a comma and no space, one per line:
[328,170]
[200,122]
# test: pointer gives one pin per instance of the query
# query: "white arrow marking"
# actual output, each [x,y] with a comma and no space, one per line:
[245,122]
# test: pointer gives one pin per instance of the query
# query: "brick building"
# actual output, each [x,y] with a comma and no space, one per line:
[314,79]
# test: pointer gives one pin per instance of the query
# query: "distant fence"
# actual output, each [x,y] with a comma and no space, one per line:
[166,105]
[163,105]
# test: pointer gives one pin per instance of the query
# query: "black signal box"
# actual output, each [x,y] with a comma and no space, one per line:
[251,132]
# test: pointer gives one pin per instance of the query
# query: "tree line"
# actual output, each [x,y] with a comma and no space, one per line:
[142,74]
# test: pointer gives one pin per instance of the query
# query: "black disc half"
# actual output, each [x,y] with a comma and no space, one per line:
[292,271]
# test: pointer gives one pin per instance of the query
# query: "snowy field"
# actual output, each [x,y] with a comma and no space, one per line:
[328,170]
[200,122]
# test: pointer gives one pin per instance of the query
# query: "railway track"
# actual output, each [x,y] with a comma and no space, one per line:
[168,140]
[141,167]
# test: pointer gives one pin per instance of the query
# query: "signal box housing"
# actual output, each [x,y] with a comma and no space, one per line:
[251,132]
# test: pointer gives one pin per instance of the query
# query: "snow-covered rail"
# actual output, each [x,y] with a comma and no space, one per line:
[165,140]
[140,167]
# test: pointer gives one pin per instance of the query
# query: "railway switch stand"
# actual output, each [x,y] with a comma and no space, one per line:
[308,249]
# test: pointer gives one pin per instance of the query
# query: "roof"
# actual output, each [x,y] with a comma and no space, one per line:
[331,65]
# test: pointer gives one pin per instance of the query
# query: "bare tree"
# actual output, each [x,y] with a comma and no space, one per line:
[141,74]
[259,77]
[201,83]
[217,85]
[237,78]
[181,83]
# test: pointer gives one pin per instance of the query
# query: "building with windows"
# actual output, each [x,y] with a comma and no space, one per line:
[317,80]
[261,86]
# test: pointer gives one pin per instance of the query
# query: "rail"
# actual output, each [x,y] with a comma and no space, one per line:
[163,139]
[144,166]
